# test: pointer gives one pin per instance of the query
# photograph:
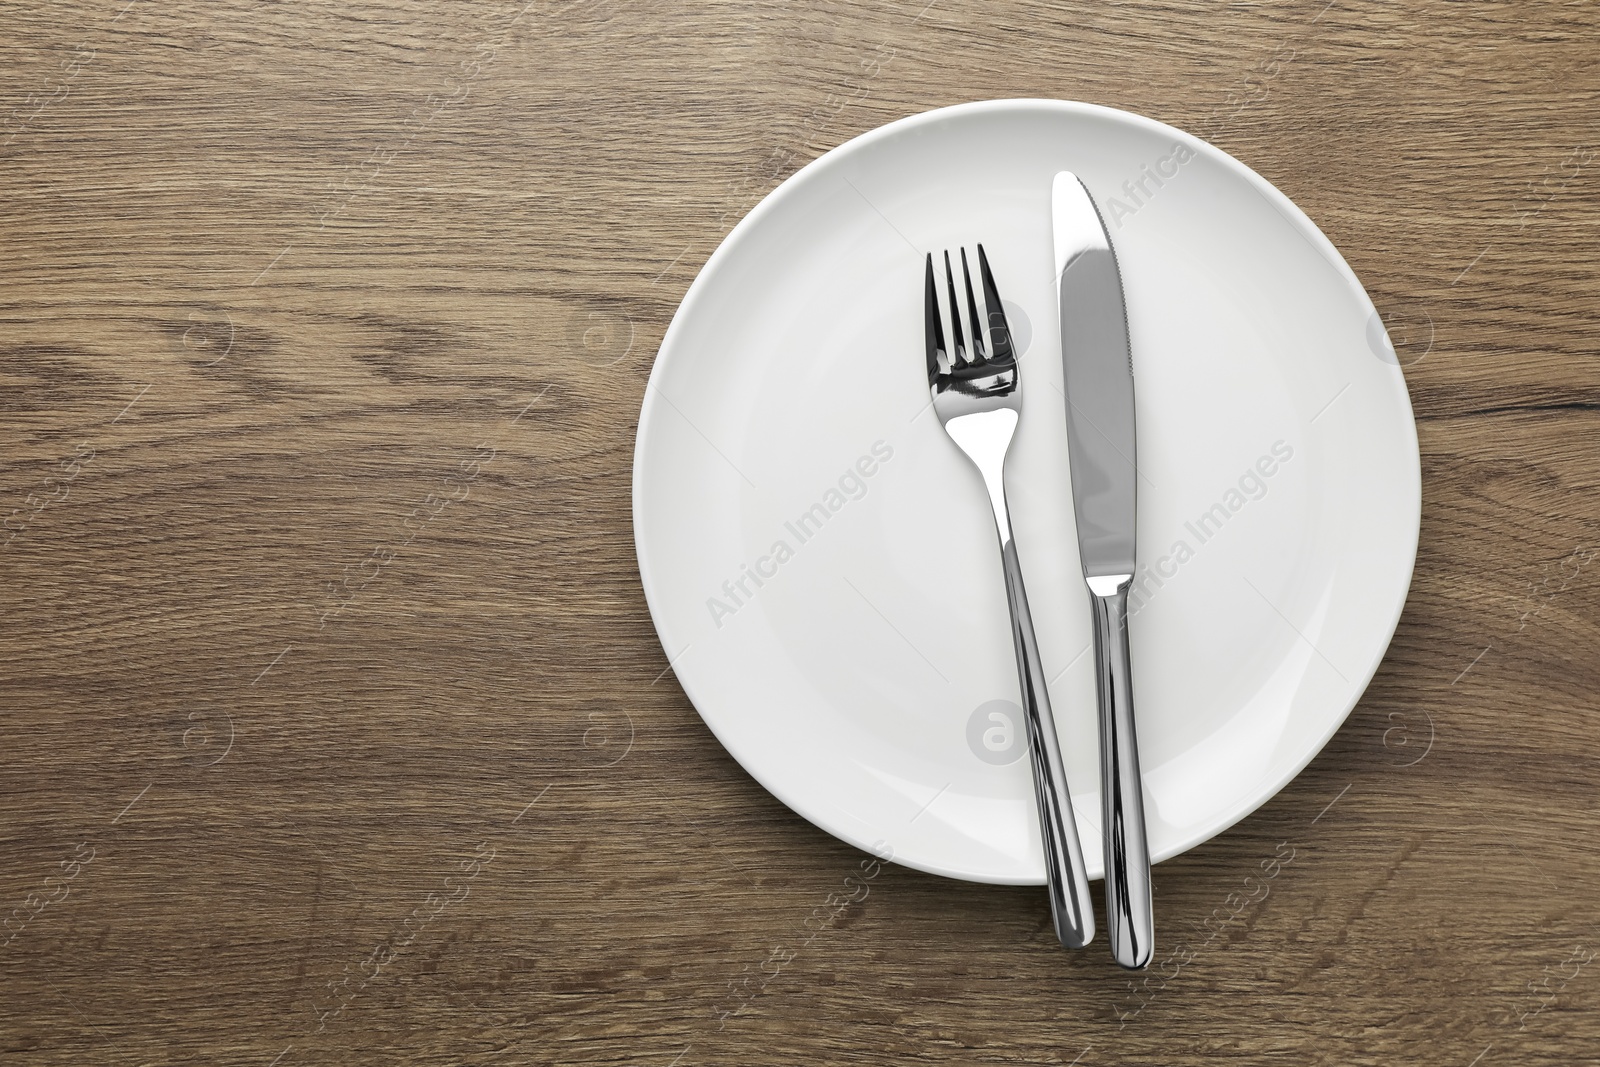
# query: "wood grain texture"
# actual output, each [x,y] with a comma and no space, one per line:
[335,728]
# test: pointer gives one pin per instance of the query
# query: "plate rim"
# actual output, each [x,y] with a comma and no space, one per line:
[1275,198]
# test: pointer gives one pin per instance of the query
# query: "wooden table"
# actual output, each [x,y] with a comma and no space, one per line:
[336,730]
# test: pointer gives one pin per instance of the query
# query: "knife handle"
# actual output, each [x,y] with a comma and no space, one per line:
[1130,916]
[1068,879]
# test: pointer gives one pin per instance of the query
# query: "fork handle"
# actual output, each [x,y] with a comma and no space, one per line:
[1070,903]
[1130,917]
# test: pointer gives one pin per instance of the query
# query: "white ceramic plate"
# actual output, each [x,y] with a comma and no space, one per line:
[820,561]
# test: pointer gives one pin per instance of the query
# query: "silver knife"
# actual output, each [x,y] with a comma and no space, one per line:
[1100,443]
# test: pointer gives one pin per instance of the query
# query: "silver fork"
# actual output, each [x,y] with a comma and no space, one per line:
[976,396]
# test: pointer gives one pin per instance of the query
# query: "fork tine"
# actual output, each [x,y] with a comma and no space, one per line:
[972,313]
[999,331]
[960,344]
[934,331]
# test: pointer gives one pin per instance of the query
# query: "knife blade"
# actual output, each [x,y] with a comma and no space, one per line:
[1098,376]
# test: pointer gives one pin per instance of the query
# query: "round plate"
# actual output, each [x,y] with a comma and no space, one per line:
[820,560]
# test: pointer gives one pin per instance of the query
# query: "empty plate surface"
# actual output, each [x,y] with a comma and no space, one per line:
[820,561]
